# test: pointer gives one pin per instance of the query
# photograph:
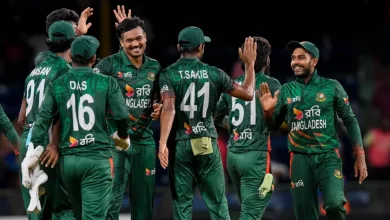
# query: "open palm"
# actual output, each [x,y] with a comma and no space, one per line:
[265,97]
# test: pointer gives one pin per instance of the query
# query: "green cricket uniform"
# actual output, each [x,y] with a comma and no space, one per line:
[137,166]
[82,98]
[311,110]
[49,67]
[248,158]
[41,56]
[9,131]
[196,86]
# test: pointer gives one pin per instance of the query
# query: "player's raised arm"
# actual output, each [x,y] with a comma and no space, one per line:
[45,116]
[9,131]
[274,109]
[344,111]
[248,56]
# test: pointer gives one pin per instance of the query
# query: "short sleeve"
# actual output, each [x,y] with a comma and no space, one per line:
[227,84]
[104,67]
[166,86]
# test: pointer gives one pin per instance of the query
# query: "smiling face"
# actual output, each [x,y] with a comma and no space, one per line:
[134,42]
[302,63]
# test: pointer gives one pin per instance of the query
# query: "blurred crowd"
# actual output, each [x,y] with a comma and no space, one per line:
[363,70]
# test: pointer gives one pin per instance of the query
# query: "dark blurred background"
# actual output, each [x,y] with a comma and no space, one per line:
[353,39]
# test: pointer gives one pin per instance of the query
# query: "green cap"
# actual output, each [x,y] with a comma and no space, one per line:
[84,47]
[61,30]
[308,46]
[192,37]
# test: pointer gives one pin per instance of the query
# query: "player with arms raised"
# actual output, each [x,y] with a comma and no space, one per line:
[192,88]
[248,159]
[82,99]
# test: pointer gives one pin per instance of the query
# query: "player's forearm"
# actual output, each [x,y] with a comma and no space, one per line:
[249,82]
[22,114]
[55,139]
[354,134]
[273,120]
[166,120]
[123,126]
[39,130]
[9,131]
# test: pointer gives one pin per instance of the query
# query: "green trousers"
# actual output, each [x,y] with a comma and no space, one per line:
[136,167]
[310,172]
[55,202]
[89,184]
[206,171]
[247,171]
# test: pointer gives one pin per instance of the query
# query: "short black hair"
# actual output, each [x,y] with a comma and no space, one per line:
[188,50]
[263,52]
[59,46]
[80,61]
[129,24]
[62,14]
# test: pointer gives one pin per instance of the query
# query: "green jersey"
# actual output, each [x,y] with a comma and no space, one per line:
[138,86]
[82,99]
[51,67]
[247,127]
[197,88]
[41,56]
[311,112]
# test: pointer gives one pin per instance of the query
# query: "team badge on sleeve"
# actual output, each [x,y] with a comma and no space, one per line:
[346,101]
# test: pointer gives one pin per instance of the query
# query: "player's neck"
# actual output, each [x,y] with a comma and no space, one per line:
[136,61]
[65,55]
[193,56]
[307,79]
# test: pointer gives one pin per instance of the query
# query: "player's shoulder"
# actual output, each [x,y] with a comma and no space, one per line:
[288,85]
[153,63]
[111,58]
[332,83]
[272,80]
[41,56]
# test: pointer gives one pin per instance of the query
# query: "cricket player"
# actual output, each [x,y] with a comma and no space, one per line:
[9,131]
[79,24]
[311,105]
[82,99]
[136,75]
[192,88]
[248,158]
[61,34]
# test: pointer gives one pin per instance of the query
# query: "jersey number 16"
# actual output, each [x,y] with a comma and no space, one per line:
[81,111]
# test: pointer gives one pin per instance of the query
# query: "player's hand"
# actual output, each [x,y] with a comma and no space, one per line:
[50,156]
[121,144]
[156,111]
[248,53]
[29,163]
[361,168]
[83,27]
[163,155]
[120,14]
[265,97]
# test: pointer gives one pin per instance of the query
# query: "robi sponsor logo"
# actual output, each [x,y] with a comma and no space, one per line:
[150,172]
